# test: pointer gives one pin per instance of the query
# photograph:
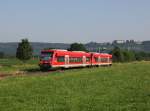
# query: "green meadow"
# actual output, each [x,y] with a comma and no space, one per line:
[122,87]
[12,66]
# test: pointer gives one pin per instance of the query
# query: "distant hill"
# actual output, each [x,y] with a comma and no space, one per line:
[130,45]
[10,47]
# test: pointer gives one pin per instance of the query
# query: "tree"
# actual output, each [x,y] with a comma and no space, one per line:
[117,55]
[77,47]
[24,50]
[128,56]
[1,54]
[142,56]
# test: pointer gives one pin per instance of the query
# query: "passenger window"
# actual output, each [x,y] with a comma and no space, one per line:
[75,59]
[104,59]
[88,59]
[60,59]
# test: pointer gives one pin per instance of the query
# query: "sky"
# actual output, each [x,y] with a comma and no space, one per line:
[68,21]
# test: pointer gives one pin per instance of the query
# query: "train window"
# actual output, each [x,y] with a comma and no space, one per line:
[46,55]
[71,59]
[104,59]
[75,59]
[79,59]
[88,59]
[60,59]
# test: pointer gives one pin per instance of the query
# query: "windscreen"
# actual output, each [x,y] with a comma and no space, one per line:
[46,55]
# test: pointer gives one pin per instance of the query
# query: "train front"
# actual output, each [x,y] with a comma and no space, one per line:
[46,58]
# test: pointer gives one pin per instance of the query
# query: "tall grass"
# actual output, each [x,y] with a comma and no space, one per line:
[13,65]
[122,87]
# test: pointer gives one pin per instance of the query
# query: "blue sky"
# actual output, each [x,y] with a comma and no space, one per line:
[71,21]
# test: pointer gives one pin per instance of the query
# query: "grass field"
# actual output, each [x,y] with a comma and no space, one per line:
[11,66]
[122,87]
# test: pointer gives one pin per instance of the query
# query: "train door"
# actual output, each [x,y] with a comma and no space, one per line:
[84,60]
[108,61]
[66,60]
[91,59]
[99,60]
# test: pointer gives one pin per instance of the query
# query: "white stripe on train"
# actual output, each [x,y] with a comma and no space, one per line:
[80,65]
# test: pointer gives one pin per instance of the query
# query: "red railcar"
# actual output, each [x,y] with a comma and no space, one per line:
[65,59]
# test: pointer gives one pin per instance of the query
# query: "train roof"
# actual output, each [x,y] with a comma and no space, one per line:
[79,51]
[59,49]
[63,52]
[49,50]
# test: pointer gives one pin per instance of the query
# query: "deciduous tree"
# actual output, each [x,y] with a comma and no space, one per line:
[24,50]
[77,47]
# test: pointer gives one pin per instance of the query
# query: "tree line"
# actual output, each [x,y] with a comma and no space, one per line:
[124,55]
[25,52]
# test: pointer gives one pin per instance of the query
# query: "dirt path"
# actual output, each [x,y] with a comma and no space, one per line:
[21,73]
[2,75]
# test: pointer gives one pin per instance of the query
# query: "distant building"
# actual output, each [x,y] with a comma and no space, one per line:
[119,41]
[138,42]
